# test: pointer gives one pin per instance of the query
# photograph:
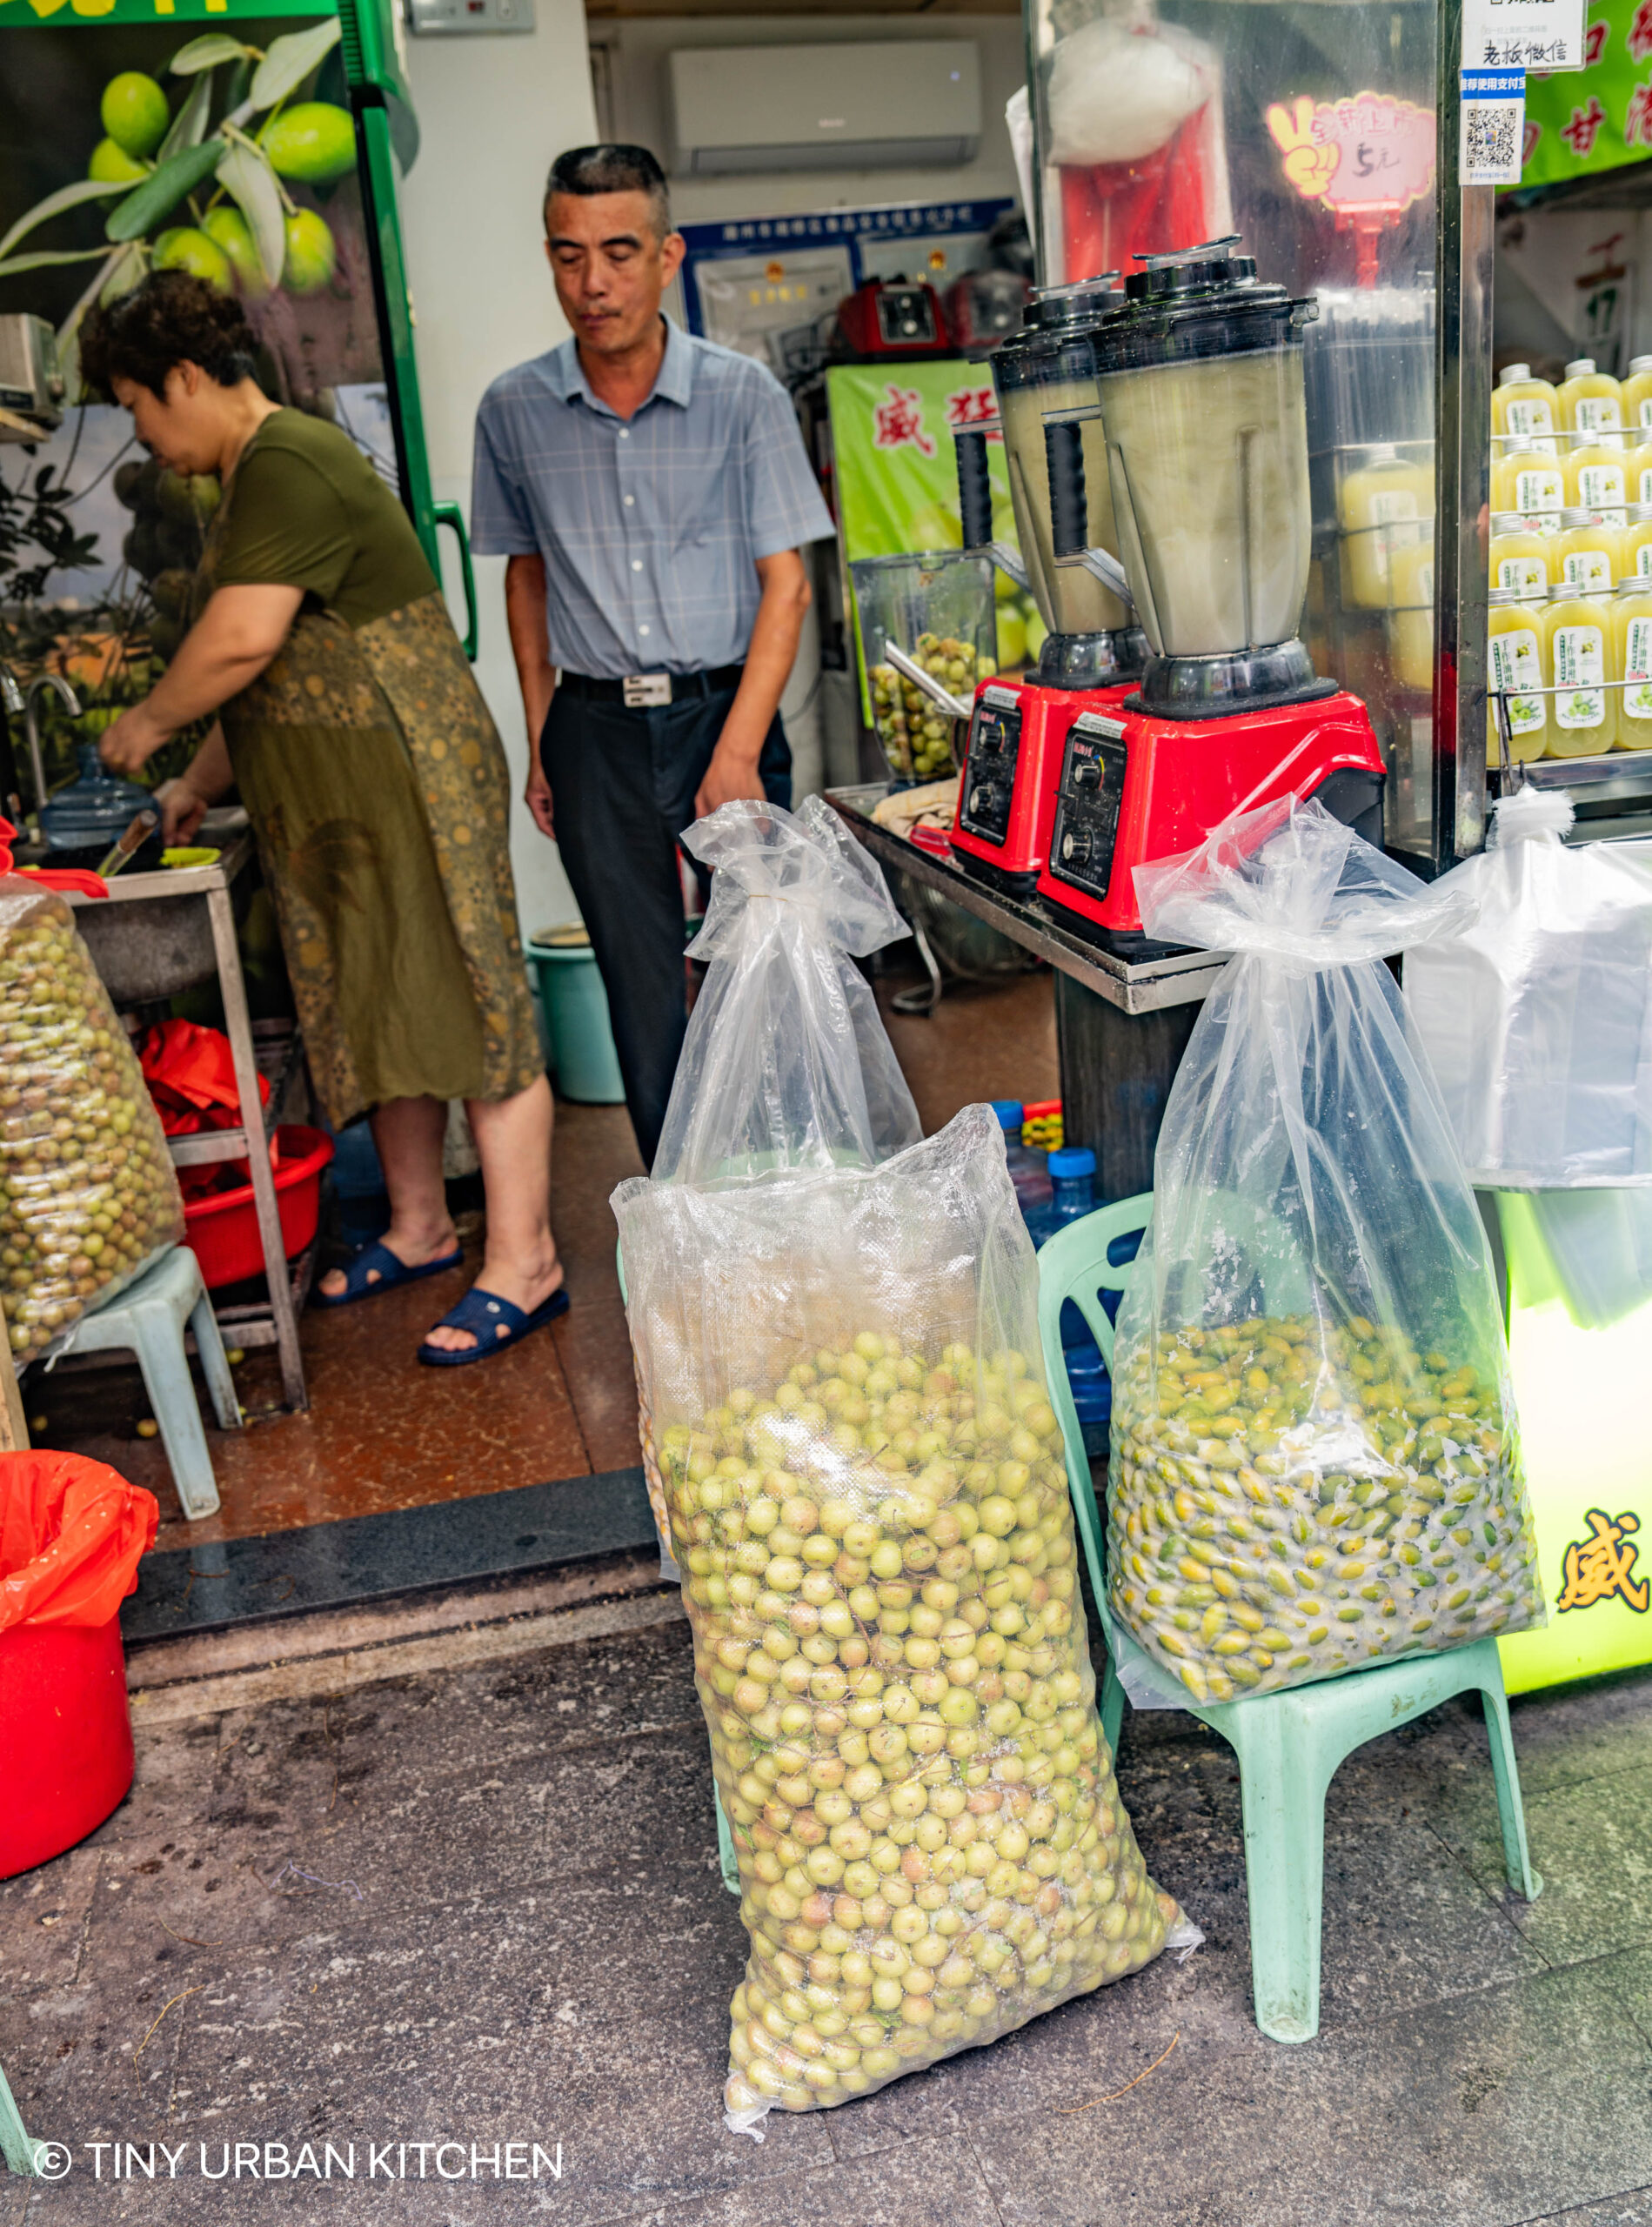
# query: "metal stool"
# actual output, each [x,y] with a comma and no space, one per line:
[148,1319]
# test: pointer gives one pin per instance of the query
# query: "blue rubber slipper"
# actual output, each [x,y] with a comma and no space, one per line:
[359,1282]
[481,1313]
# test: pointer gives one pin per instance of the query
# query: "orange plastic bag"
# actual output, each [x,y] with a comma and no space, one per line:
[72,1532]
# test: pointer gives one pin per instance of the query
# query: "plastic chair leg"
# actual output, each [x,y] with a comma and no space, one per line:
[209,1343]
[1112,1706]
[725,1849]
[15,2145]
[1505,1775]
[157,1339]
[1283,1792]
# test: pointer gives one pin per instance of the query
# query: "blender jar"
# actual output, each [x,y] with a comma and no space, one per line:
[1201,394]
[938,607]
[1050,365]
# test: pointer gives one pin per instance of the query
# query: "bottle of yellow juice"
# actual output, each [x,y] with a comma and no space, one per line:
[1632,627]
[1637,471]
[1516,631]
[1582,659]
[1518,554]
[1410,620]
[1637,398]
[1596,477]
[1585,554]
[1524,478]
[1380,507]
[1523,408]
[1634,544]
[1588,401]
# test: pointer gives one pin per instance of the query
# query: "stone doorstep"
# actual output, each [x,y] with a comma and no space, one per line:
[245,1666]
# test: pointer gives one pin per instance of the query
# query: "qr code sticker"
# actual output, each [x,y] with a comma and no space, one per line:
[1491,142]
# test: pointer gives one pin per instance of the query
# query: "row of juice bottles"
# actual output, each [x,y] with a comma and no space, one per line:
[1587,408]
[1574,664]
[1570,561]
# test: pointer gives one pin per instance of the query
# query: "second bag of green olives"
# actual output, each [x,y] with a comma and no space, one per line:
[1316,1460]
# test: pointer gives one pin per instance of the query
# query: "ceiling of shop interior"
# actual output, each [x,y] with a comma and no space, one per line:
[603,11]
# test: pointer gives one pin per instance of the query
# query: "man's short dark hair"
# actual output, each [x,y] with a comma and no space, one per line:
[611,168]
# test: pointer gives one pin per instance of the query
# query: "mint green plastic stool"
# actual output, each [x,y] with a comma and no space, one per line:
[1289,1744]
[147,1320]
[15,2145]
[728,1863]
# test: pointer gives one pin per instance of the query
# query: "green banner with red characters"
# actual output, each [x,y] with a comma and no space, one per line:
[1579,122]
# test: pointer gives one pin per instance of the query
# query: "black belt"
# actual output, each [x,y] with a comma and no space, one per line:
[648,691]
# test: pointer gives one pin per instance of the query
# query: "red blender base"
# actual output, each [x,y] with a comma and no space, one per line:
[1018,735]
[1132,787]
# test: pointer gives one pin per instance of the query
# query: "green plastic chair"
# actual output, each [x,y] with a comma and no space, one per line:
[1289,1744]
[15,2146]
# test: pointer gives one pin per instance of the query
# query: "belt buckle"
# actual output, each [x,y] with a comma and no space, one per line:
[644,692]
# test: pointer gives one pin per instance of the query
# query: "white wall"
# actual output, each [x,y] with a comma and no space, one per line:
[639,46]
[493,111]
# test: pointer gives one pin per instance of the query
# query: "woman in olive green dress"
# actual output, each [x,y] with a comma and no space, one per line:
[349,723]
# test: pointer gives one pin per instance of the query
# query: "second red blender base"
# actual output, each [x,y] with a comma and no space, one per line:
[1012,763]
[1134,788]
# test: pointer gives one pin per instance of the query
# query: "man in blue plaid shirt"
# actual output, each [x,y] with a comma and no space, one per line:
[650,492]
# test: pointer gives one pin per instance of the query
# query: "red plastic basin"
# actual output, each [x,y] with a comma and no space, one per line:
[222,1229]
[66,1735]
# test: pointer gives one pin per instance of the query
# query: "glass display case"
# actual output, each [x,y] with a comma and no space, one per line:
[1319,134]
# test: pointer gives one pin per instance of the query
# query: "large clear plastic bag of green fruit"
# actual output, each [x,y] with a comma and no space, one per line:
[868,1498]
[87,1191]
[1315,1455]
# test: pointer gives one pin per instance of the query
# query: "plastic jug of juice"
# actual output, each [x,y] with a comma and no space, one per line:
[1590,401]
[1634,544]
[1411,614]
[1526,479]
[1380,508]
[1523,408]
[1585,554]
[1582,659]
[1632,625]
[1637,398]
[1596,479]
[1519,555]
[1516,631]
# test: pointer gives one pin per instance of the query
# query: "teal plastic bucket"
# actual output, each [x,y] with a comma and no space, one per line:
[575,1007]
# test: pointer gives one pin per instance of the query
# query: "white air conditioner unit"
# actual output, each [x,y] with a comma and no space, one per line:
[887,105]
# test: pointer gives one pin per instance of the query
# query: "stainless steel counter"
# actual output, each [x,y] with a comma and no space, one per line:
[1146,987]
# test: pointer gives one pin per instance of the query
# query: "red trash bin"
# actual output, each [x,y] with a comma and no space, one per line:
[72,1535]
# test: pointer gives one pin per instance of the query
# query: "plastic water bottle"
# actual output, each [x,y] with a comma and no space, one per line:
[1028,1172]
[1071,1174]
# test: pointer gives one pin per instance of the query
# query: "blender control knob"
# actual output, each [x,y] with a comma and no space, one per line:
[1075,847]
[980,799]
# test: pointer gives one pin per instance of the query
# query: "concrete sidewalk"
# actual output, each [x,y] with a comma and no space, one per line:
[461,1888]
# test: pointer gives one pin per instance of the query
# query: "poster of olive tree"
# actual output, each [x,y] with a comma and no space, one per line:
[231,154]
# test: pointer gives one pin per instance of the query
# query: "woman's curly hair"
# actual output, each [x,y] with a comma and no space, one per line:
[170,318]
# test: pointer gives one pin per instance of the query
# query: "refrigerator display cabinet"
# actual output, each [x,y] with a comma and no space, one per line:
[1325,136]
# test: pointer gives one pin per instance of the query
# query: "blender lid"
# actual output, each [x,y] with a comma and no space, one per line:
[1199,302]
[95,808]
[1053,307]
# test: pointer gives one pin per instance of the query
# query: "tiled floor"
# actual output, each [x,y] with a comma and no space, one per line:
[383,1432]
[476,1901]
